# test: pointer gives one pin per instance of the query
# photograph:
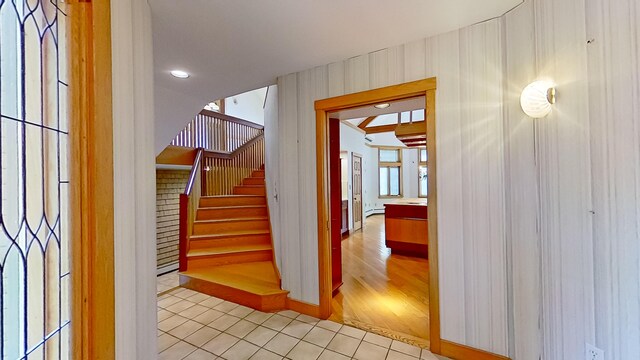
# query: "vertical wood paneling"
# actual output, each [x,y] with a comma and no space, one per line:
[614,109]
[415,60]
[521,184]
[356,74]
[272,166]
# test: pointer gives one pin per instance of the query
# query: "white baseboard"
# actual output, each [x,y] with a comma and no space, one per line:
[167,269]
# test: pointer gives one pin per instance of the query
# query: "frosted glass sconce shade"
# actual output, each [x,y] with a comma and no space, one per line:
[537,98]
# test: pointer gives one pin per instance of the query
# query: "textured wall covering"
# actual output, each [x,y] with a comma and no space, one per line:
[468,64]
[539,219]
[169,185]
[134,180]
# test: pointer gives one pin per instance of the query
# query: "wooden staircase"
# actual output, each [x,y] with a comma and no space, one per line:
[230,251]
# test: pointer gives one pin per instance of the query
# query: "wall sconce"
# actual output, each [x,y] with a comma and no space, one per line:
[537,97]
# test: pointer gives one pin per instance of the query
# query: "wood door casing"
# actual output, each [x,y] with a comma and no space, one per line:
[335,165]
[357,191]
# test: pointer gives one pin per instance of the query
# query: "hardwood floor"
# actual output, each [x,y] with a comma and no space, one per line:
[383,293]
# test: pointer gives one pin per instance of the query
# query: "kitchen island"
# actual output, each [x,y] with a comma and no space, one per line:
[406,225]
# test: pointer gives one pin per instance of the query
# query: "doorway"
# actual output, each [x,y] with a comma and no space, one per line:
[356,168]
[423,89]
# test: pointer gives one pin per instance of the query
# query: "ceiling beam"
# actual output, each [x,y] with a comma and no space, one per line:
[381,129]
[366,122]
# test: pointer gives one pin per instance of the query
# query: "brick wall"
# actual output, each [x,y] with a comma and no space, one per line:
[169,185]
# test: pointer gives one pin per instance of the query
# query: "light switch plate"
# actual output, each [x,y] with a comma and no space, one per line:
[593,353]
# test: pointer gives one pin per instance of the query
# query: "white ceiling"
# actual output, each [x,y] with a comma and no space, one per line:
[230,47]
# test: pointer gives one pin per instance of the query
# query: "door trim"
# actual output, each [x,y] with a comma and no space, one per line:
[354,155]
[91,166]
[427,88]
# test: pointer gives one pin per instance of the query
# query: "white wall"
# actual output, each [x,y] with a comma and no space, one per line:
[134,180]
[352,141]
[247,106]
[271,166]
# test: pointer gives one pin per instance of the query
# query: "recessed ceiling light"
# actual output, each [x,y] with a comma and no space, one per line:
[180,74]
[382,106]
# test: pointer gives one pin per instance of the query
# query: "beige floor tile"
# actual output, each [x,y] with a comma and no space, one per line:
[297,329]
[208,316]
[378,340]
[427,355]
[241,328]
[332,355]
[277,322]
[281,344]
[165,341]
[396,355]
[186,293]
[221,343]
[368,351]
[258,317]
[406,348]
[289,313]
[185,329]
[177,351]
[343,344]
[225,306]
[164,314]
[304,351]
[193,311]
[241,311]
[168,301]
[211,302]
[198,297]
[202,336]
[263,354]
[180,306]
[171,322]
[242,350]
[308,319]
[200,354]
[224,322]
[329,325]
[260,336]
[353,332]
[319,336]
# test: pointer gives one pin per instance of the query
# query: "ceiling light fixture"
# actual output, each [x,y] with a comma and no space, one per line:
[212,106]
[382,106]
[180,74]
[537,98]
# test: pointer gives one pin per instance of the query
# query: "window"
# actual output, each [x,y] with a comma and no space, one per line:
[390,166]
[422,173]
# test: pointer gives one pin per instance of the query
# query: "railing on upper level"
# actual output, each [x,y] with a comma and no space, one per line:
[213,131]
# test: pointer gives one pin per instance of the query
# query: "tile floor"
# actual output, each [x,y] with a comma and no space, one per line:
[195,326]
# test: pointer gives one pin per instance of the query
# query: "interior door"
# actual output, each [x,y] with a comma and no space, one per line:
[335,189]
[357,192]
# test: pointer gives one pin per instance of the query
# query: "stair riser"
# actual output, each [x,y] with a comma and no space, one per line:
[267,303]
[226,259]
[258,173]
[236,240]
[253,181]
[242,190]
[232,201]
[216,214]
[226,226]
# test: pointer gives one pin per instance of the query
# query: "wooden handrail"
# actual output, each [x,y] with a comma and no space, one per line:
[189,201]
[230,118]
[194,171]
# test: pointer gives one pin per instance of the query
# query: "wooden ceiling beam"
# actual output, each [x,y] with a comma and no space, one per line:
[366,122]
[381,129]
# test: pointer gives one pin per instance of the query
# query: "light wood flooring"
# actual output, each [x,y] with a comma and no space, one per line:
[383,293]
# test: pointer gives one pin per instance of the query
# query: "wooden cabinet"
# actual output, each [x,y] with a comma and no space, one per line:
[406,227]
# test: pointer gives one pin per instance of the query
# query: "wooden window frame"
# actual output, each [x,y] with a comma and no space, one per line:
[421,164]
[382,164]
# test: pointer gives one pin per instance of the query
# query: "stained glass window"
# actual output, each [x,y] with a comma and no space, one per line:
[34,181]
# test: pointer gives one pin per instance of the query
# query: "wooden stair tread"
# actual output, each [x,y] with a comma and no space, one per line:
[231,234]
[230,196]
[256,277]
[232,207]
[258,218]
[218,250]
